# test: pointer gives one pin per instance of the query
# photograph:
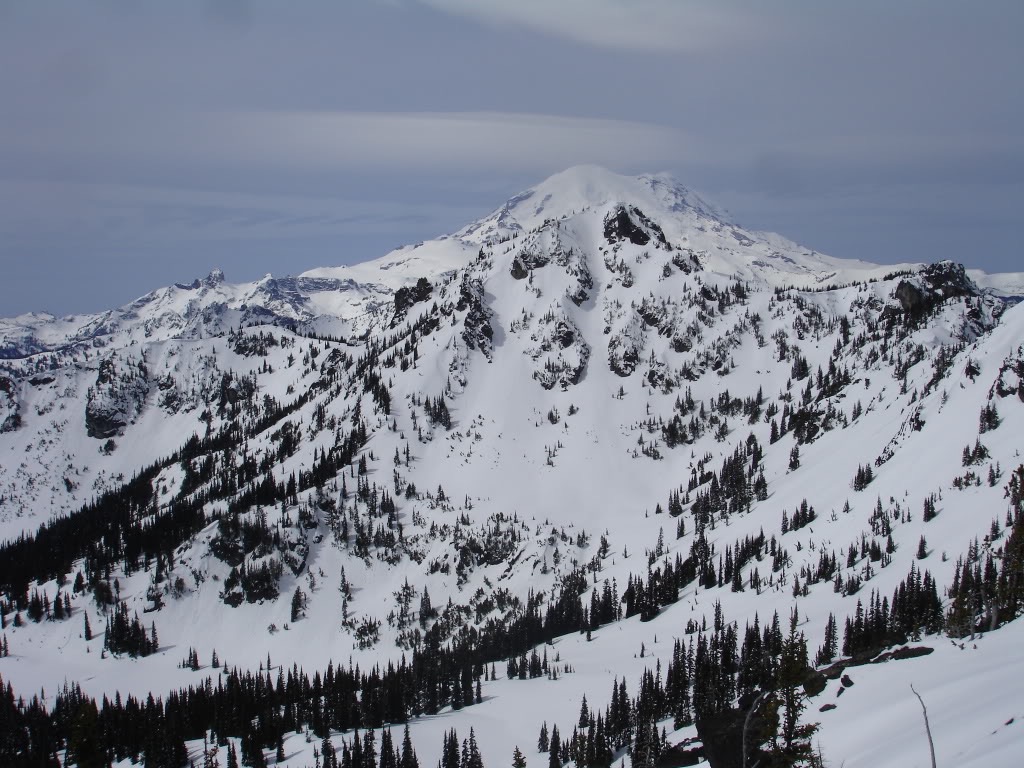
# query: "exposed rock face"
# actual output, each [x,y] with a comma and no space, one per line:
[911,297]
[576,266]
[117,398]
[477,331]
[815,683]
[532,259]
[936,284]
[1011,376]
[10,418]
[948,279]
[632,225]
[168,398]
[406,297]
[652,313]
[561,350]
[686,261]
[519,270]
[625,347]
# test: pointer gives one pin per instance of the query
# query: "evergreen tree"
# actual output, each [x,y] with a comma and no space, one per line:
[584,713]
[789,740]
[474,759]
[84,746]
[929,508]
[298,605]
[388,758]
[328,756]
[518,761]
[828,650]
[408,758]
[554,749]
[450,757]
[369,749]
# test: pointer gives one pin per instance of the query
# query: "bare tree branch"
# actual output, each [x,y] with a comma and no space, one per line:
[927,727]
[746,727]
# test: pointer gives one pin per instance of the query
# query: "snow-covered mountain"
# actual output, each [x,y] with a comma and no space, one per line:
[603,382]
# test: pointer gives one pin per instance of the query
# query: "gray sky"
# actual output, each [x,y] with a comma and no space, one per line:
[146,142]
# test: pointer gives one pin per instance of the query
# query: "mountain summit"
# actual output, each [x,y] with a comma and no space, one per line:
[587,187]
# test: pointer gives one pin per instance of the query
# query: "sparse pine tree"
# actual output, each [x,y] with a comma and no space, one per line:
[298,604]
[829,649]
[584,713]
[929,508]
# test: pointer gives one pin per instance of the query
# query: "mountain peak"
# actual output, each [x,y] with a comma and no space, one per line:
[585,187]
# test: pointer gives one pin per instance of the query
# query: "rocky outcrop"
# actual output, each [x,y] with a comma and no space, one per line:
[920,295]
[476,327]
[10,418]
[116,399]
[686,261]
[518,269]
[625,347]
[561,350]
[1010,380]
[935,284]
[576,267]
[406,297]
[631,225]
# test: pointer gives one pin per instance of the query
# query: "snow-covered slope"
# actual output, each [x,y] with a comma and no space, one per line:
[571,385]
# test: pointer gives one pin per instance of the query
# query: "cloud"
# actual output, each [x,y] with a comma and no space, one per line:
[658,25]
[311,141]
[454,141]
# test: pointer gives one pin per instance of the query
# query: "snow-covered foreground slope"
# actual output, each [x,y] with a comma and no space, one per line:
[603,378]
[975,720]
[876,721]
